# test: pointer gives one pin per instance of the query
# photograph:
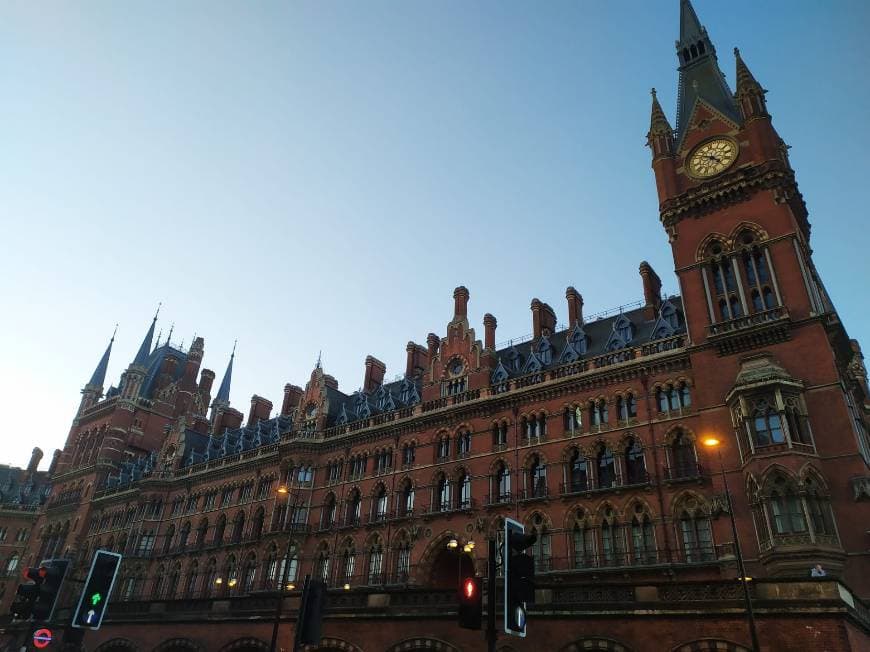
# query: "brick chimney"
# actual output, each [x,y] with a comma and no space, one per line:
[206,379]
[200,425]
[575,306]
[418,360]
[433,342]
[55,458]
[543,319]
[330,381]
[652,291]
[35,459]
[227,418]
[292,396]
[489,326]
[375,370]
[261,408]
[460,303]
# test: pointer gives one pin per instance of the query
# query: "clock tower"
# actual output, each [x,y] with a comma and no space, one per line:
[786,384]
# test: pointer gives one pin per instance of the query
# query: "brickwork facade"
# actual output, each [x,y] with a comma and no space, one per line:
[591,434]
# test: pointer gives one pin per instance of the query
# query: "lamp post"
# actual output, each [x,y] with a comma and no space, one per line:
[712,442]
[282,491]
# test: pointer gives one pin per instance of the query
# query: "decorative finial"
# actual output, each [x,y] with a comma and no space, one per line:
[736,52]
[159,335]
[159,303]
[233,354]
[653,92]
[115,332]
[169,337]
[317,366]
[181,346]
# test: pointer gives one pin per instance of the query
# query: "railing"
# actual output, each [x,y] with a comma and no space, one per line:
[748,321]
[498,499]
[799,539]
[538,493]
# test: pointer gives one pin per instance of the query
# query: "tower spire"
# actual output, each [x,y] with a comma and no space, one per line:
[750,94]
[145,348]
[661,135]
[700,76]
[98,378]
[223,394]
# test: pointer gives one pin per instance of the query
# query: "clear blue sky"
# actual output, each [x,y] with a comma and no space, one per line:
[321,175]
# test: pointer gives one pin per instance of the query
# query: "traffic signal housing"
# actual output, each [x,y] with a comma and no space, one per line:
[519,577]
[311,612]
[27,593]
[471,603]
[98,587]
[52,573]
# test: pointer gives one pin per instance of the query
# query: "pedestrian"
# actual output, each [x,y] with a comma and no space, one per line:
[817,571]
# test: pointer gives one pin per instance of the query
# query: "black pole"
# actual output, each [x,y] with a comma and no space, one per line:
[750,615]
[300,619]
[280,603]
[491,635]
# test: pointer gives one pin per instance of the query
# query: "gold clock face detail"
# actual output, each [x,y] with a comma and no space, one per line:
[711,158]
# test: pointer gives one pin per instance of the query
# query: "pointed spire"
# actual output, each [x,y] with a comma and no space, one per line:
[223,394]
[700,76]
[661,135]
[145,348]
[98,378]
[750,94]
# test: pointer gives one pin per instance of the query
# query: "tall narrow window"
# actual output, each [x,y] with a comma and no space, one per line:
[612,543]
[464,491]
[683,457]
[376,563]
[573,419]
[503,483]
[606,468]
[766,424]
[443,493]
[642,537]
[463,442]
[407,498]
[582,541]
[499,435]
[578,475]
[785,508]
[634,463]
[537,478]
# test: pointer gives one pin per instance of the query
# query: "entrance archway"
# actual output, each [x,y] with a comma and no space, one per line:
[448,567]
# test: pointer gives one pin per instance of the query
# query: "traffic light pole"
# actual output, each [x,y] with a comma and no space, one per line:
[280,602]
[491,635]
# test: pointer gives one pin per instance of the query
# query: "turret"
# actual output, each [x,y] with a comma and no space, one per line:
[93,390]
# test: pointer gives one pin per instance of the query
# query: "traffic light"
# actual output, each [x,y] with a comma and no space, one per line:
[471,603]
[27,593]
[52,572]
[311,612]
[519,577]
[98,587]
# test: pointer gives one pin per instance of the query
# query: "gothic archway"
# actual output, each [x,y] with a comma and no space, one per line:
[595,643]
[247,644]
[178,645]
[448,566]
[423,643]
[118,645]
[710,645]
[336,645]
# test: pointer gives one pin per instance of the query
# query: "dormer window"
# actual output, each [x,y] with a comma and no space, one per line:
[545,351]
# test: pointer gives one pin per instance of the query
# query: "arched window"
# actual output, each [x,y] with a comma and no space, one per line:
[502,483]
[159,585]
[627,407]
[643,541]
[786,513]
[443,489]
[696,538]
[348,563]
[407,498]
[219,530]
[12,564]
[819,508]
[541,547]
[354,507]
[257,524]
[327,518]
[211,577]
[167,542]
[797,422]
[635,467]
[183,536]
[582,541]
[766,423]
[403,560]
[408,455]
[464,484]
[573,419]
[192,577]
[231,575]
[463,443]
[201,531]
[443,451]
[612,540]
[376,563]
[172,581]
[380,511]
[606,468]
[238,527]
[578,472]
[499,436]
[598,413]
[249,574]
[683,461]
[537,478]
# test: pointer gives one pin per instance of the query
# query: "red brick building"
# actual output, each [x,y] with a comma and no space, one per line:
[590,434]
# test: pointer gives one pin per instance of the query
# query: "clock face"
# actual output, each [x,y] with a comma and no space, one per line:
[711,158]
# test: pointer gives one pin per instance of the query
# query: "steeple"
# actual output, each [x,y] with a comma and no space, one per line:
[661,135]
[98,378]
[223,395]
[750,94]
[145,348]
[700,76]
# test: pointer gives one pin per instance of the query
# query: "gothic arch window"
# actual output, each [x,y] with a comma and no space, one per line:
[463,483]
[643,541]
[183,536]
[321,567]
[784,507]
[201,532]
[442,493]
[673,398]
[219,530]
[499,435]
[403,559]
[443,448]
[231,575]
[612,539]
[766,423]
[354,508]
[327,516]
[821,517]
[605,467]
[211,577]
[635,466]
[694,530]
[626,407]
[238,526]
[536,478]
[582,540]
[577,472]
[376,562]
[683,459]
[797,422]
[348,562]
[406,498]
[172,581]
[380,504]
[502,482]
[190,583]
[257,524]
[167,542]
[159,584]
[409,452]
[573,416]
[463,443]
[534,427]
[541,550]
[598,415]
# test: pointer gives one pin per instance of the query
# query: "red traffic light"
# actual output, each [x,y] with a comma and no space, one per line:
[35,574]
[469,588]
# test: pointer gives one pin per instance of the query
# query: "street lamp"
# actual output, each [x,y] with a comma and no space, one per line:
[712,442]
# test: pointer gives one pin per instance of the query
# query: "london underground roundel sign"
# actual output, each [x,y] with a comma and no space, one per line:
[41,638]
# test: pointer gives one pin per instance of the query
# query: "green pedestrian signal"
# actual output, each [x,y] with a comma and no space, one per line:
[95,599]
